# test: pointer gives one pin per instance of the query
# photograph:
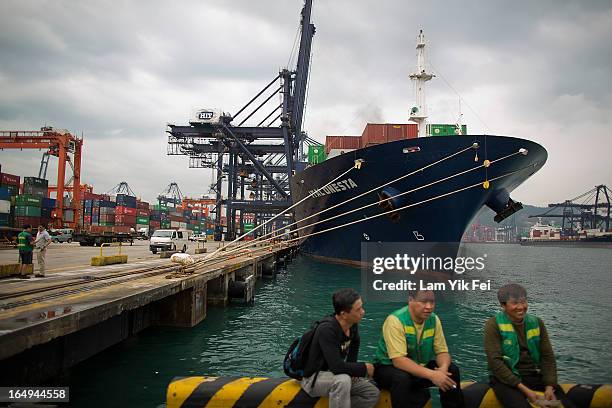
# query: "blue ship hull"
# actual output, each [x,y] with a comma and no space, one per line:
[436,213]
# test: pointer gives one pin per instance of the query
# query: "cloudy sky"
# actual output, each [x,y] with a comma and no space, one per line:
[117,72]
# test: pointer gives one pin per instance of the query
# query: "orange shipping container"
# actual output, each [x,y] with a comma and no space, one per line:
[342,142]
[377,133]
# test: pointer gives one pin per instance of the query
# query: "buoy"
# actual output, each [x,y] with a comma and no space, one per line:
[262,392]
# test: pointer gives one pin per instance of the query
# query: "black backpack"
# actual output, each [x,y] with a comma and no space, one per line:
[297,356]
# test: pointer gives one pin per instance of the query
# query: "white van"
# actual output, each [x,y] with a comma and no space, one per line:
[170,240]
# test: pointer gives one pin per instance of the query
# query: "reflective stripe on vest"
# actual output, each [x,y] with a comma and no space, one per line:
[511,352]
[420,351]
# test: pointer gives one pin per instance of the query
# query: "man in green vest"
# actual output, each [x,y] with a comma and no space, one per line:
[24,244]
[519,354]
[412,355]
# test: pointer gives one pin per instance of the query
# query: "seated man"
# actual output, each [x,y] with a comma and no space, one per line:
[332,368]
[519,354]
[412,355]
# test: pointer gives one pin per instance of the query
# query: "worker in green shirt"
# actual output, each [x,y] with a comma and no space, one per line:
[519,354]
[24,244]
[412,356]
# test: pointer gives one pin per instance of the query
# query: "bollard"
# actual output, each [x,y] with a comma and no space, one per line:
[109,260]
[199,250]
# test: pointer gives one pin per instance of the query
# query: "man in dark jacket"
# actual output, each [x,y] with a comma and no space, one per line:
[332,369]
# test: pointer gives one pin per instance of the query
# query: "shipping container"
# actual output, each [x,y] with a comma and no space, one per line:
[69,215]
[377,133]
[5,207]
[125,220]
[35,191]
[122,210]
[10,179]
[12,189]
[316,154]
[142,205]
[342,142]
[444,129]
[5,220]
[125,200]
[143,213]
[48,202]
[107,204]
[45,212]
[160,207]
[27,201]
[20,222]
[36,182]
[142,220]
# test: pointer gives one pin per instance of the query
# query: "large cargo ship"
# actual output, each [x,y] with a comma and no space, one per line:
[422,189]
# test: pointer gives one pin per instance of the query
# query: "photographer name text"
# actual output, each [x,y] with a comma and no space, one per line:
[451,285]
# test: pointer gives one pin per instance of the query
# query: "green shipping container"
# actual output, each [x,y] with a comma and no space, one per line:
[27,201]
[21,211]
[158,207]
[445,129]
[316,154]
[106,224]
[196,229]
[191,227]
[142,220]
[248,227]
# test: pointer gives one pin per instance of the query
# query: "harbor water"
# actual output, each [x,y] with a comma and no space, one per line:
[569,288]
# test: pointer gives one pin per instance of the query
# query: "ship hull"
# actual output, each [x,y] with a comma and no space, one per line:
[438,211]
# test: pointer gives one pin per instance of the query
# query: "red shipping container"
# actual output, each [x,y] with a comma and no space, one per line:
[143,213]
[177,218]
[20,222]
[87,219]
[154,224]
[377,133]
[9,179]
[342,142]
[142,205]
[120,210]
[125,219]
[92,196]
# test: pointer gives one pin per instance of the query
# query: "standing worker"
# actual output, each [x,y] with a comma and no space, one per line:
[24,243]
[43,239]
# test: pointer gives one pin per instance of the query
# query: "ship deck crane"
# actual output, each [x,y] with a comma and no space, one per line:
[59,143]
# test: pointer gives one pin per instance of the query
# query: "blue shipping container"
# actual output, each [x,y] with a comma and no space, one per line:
[48,203]
[4,193]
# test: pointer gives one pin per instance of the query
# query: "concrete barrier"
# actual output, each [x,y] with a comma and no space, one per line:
[247,392]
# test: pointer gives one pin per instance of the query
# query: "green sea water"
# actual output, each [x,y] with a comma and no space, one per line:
[569,288]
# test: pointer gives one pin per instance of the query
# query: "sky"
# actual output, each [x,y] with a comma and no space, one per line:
[117,72]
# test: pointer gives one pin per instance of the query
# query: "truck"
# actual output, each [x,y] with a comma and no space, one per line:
[98,235]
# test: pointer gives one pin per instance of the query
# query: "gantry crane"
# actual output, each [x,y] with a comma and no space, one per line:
[590,210]
[59,143]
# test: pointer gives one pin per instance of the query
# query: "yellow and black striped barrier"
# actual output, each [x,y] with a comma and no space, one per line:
[262,392]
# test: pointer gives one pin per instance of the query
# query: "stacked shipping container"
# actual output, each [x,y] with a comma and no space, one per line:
[9,188]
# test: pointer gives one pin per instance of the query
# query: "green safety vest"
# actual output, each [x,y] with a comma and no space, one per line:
[420,350]
[23,241]
[510,345]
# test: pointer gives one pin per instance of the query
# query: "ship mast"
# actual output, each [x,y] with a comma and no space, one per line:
[418,113]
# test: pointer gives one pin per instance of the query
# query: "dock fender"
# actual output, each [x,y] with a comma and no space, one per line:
[388,203]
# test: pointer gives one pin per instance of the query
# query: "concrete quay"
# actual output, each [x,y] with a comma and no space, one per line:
[49,324]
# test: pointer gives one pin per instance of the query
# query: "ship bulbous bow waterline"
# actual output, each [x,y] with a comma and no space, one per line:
[426,189]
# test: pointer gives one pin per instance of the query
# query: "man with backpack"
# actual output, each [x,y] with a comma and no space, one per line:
[331,368]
